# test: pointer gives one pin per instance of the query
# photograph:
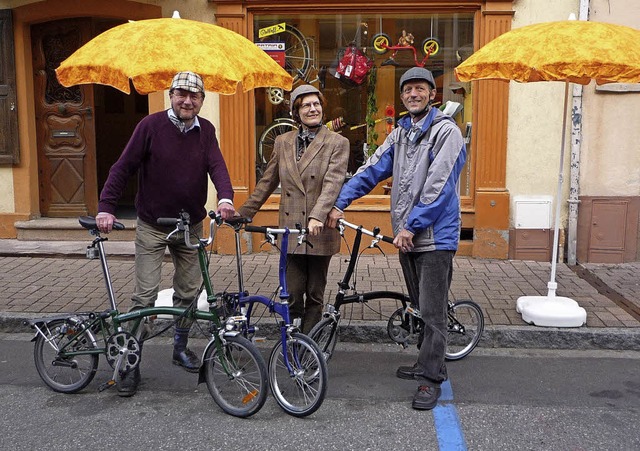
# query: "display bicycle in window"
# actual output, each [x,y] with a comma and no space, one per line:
[299,58]
[381,43]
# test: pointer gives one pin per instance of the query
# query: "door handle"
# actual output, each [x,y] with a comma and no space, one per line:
[88,111]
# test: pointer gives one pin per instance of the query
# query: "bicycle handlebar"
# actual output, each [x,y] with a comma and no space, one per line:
[168,222]
[89,223]
[271,232]
[275,230]
[182,223]
[377,236]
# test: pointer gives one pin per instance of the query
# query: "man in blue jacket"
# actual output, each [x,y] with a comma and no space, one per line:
[425,155]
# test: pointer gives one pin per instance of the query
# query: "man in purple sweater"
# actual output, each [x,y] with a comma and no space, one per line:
[173,152]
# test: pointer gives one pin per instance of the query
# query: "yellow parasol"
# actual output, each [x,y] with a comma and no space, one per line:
[151,52]
[573,52]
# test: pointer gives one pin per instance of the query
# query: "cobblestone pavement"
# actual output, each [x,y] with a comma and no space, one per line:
[43,280]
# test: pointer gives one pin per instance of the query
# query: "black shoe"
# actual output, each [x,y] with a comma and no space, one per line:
[408,372]
[128,384]
[187,359]
[426,397]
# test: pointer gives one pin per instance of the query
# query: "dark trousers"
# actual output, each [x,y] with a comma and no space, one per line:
[306,282]
[428,277]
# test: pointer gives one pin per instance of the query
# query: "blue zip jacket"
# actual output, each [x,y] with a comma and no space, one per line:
[425,196]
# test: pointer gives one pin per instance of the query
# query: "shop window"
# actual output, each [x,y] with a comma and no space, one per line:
[364,109]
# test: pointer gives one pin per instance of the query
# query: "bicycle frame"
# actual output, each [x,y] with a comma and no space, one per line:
[344,286]
[111,321]
[247,301]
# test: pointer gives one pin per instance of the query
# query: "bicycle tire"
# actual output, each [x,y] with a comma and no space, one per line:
[268,139]
[325,334]
[65,374]
[430,46]
[380,42]
[465,324]
[242,390]
[297,55]
[301,393]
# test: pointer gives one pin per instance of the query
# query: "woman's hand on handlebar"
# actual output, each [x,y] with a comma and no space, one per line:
[332,218]
[226,210]
[315,227]
[105,221]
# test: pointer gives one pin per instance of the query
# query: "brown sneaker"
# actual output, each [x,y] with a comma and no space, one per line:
[426,397]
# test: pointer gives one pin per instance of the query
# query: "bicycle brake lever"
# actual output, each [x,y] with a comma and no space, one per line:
[175,231]
[379,248]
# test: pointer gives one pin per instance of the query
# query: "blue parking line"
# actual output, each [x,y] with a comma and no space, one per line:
[445,417]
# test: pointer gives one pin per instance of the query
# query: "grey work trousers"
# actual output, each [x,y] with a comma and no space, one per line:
[306,282]
[428,278]
[151,243]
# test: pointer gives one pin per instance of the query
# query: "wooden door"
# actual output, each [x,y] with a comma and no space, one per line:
[64,123]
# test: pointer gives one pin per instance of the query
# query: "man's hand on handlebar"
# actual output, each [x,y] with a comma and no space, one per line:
[105,221]
[404,241]
[332,218]
[226,210]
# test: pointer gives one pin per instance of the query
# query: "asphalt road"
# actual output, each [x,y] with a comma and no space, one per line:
[496,400]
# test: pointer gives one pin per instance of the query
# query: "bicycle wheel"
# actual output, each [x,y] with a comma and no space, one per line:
[236,377]
[465,323]
[65,374]
[267,140]
[301,391]
[431,46]
[268,137]
[325,334]
[380,42]
[297,55]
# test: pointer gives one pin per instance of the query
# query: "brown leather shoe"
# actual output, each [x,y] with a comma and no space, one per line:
[128,384]
[407,372]
[186,359]
[426,398]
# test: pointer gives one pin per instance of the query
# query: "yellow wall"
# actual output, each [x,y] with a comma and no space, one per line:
[535,118]
[610,154]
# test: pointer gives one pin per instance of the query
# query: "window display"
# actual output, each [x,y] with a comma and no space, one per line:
[357,61]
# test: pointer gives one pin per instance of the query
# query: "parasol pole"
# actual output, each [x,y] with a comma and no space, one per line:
[552,310]
[552,285]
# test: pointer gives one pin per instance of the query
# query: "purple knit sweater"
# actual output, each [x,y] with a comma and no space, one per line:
[172,170]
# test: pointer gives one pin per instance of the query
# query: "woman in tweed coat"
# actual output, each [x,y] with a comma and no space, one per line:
[310,165]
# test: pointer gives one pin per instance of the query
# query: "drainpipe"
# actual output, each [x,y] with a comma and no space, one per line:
[576,142]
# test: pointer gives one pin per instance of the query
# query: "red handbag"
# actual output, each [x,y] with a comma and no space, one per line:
[354,65]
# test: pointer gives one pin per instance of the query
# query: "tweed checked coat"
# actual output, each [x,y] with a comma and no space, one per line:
[309,187]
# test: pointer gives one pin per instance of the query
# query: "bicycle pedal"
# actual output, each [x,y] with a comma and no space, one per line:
[259,339]
[106,385]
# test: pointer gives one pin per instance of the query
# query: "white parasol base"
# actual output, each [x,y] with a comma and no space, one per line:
[551,310]
[165,299]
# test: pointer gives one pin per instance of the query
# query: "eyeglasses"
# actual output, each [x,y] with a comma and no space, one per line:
[307,106]
[182,95]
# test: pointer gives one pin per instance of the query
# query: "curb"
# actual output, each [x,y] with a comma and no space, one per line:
[525,337]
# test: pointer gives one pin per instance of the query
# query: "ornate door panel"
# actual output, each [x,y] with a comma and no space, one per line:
[64,123]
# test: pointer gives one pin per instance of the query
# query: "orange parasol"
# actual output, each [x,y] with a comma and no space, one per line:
[151,52]
[573,52]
